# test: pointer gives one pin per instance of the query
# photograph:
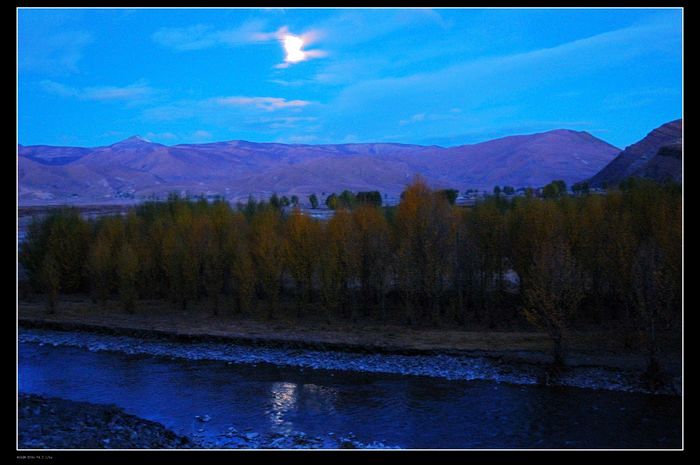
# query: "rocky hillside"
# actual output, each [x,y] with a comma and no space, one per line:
[658,156]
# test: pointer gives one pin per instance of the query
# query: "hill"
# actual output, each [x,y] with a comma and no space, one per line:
[657,156]
[136,167]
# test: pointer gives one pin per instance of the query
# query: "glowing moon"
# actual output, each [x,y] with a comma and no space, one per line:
[292,47]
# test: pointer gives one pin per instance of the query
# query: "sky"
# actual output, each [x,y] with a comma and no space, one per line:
[92,77]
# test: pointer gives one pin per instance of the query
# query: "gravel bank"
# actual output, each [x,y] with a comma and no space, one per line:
[53,423]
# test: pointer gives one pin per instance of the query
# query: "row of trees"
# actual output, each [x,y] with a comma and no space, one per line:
[347,199]
[426,262]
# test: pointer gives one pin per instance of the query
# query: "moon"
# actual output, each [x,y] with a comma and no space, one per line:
[293,48]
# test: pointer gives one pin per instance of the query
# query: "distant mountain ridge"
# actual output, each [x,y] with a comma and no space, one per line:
[657,156]
[136,167]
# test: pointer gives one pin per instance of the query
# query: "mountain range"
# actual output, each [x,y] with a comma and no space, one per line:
[136,167]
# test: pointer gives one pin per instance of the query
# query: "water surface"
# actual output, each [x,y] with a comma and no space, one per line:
[377,408]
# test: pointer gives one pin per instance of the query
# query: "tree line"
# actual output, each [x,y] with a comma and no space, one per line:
[554,261]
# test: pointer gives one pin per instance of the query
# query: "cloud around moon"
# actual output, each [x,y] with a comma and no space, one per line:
[293,46]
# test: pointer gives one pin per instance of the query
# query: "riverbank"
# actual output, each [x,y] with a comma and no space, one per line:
[600,348]
[53,423]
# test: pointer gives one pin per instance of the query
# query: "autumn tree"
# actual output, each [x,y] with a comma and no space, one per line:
[553,293]
[267,252]
[371,243]
[127,272]
[101,260]
[337,263]
[214,261]
[241,271]
[302,237]
[424,234]
[50,281]
[466,266]
[180,259]
[486,237]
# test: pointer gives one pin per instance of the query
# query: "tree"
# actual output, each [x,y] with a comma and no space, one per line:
[508,190]
[127,271]
[240,271]
[101,262]
[347,199]
[267,253]
[295,200]
[497,190]
[66,235]
[464,265]
[50,278]
[181,257]
[424,232]
[649,295]
[370,245]
[250,208]
[485,238]
[337,263]
[313,200]
[275,201]
[215,263]
[302,236]
[449,194]
[581,187]
[371,197]
[553,293]
[332,201]
[554,189]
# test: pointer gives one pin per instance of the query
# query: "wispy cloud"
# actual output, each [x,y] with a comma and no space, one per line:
[418,117]
[55,53]
[262,103]
[498,79]
[138,91]
[169,136]
[298,139]
[219,110]
[202,36]
[282,122]
[294,83]
[201,134]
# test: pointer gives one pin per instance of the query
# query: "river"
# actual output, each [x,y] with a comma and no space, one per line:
[374,410]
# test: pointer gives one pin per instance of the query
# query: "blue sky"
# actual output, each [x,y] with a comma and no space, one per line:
[90,77]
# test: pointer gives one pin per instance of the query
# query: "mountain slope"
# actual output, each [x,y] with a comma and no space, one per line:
[136,167]
[642,158]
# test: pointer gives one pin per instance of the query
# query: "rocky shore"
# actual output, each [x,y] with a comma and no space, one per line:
[53,423]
